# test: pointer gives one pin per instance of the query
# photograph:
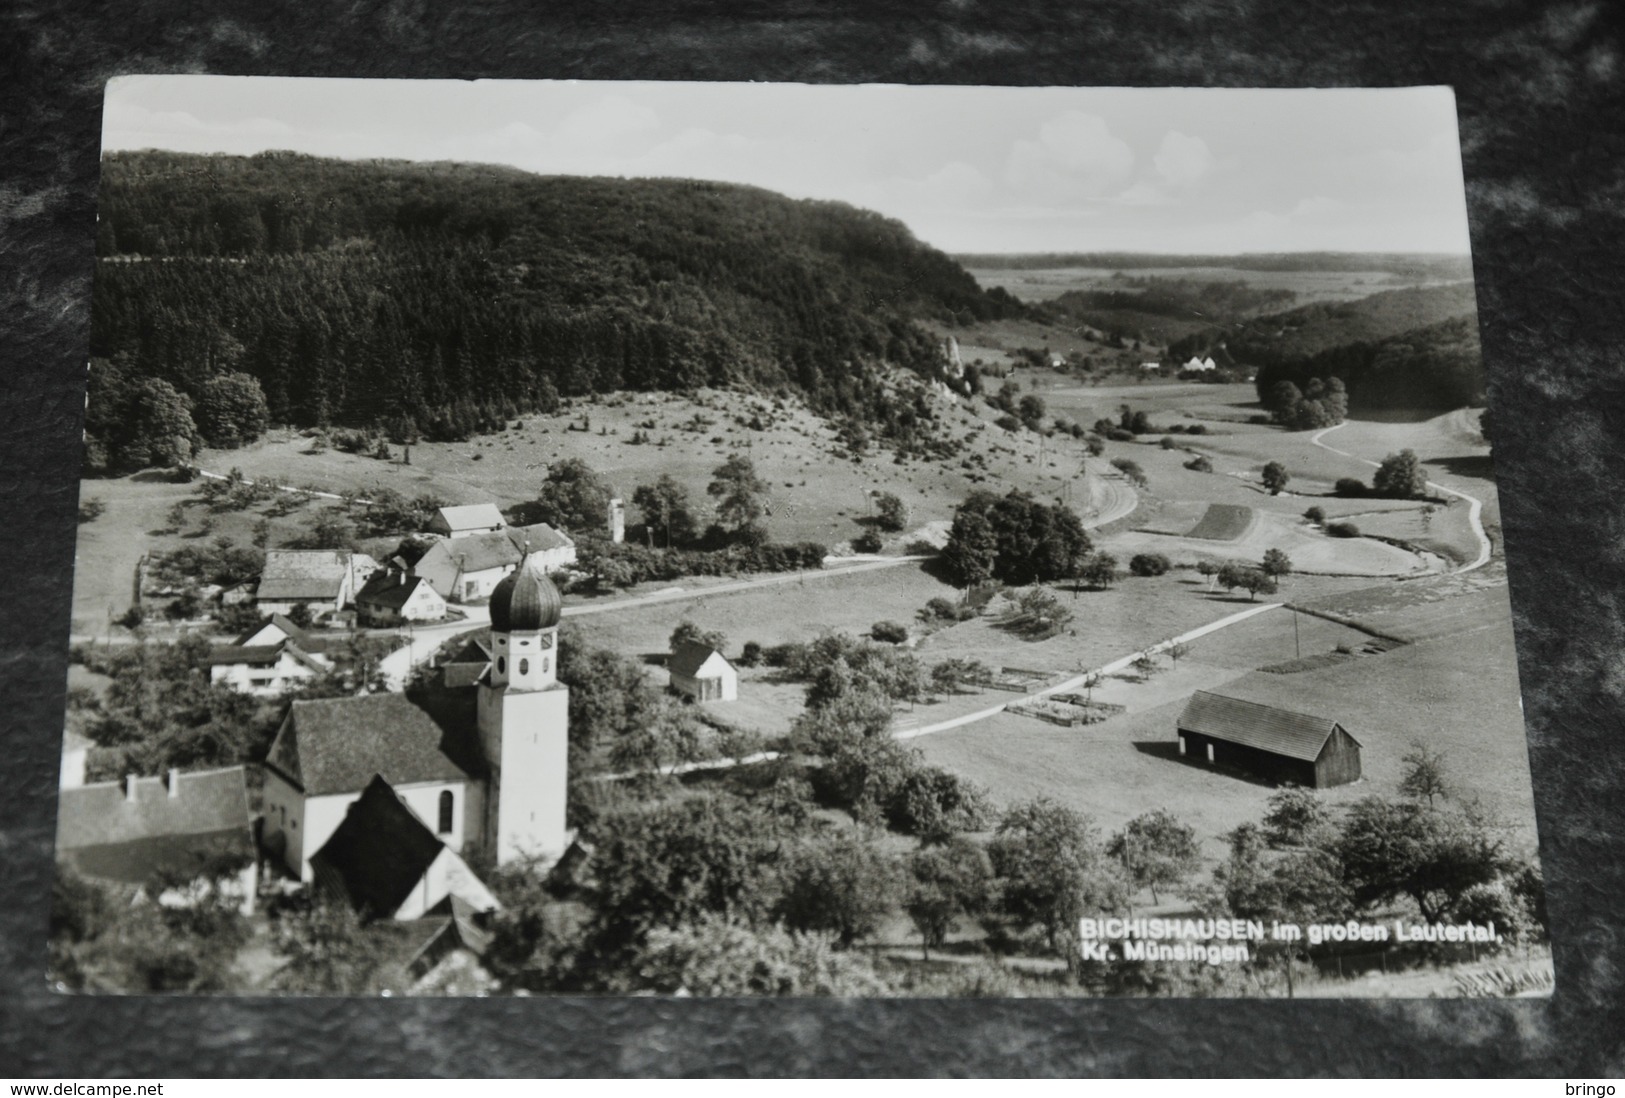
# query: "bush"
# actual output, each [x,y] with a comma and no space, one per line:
[1199,464]
[1169,443]
[889,632]
[1149,564]
[1350,486]
[1342,530]
[750,655]
[1008,422]
[1315,515]
[1117,434]
[1196,429]
[90,510]
[1259,420]
[867,542]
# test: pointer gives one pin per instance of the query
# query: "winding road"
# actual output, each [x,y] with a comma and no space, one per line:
[1475,506]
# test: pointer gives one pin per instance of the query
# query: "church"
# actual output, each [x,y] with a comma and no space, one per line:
[483,768]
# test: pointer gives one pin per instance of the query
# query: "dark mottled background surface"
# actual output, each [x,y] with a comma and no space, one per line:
[1540,88]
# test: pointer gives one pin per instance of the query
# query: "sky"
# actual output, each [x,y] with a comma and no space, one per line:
[968,169]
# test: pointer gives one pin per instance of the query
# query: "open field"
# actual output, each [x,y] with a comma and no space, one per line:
[1457,693]
[1305,545]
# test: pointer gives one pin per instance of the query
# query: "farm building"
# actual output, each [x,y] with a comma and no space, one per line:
[1275,744]
[701,673]
[392,597]
[321,580]
[463,522]
[185,825]
[469,568]
[265,669]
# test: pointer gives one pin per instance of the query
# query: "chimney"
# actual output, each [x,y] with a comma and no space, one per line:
[129,788]
[174,782]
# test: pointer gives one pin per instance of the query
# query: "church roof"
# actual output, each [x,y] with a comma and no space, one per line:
[525,599]
[336,745]
[378,854]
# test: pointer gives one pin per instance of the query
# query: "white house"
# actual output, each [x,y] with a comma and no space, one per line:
[321,580]
[264,669]
[469,568]
[463,522]
[1150,366]
[701,673]
[1201,365]
[393,597]
[193,825]
[386,862]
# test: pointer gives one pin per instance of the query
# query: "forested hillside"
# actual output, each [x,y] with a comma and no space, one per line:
[1414,348]
[380,292]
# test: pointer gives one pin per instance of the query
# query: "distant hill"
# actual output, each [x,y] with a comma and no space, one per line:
[450,294]
[1424,267]
[1313,329]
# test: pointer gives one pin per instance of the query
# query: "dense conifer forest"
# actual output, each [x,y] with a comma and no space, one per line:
[445,296]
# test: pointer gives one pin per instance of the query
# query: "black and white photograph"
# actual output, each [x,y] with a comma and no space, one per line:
[748,539]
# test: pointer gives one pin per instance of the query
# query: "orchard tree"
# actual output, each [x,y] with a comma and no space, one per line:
[972,549]
[741,496]
[890,512]
[1406,848]
[947,881]
[1051,869]
[689,633]
[844,886]
[1276,477]
[1400,476]
[573,497]
[1156,849]
[1295,816]
[1276,563]
[667,512]
[1424,778]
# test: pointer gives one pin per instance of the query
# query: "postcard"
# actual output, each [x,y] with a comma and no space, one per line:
[750,539]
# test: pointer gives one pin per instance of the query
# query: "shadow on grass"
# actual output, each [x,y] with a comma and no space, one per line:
[1168,751]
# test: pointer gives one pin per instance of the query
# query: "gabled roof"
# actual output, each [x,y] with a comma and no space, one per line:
[378,854]
[499,549]
[474,516]
[1251,724]
[469,664]
[389,589]
[689,656]
[255,655]
[304,574]
[337,745]
[282,623]
[105,833]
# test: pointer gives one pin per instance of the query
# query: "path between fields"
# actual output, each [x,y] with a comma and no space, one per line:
[1475,506]
[1097,673]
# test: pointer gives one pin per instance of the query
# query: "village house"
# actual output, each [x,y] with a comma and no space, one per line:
[323,581]
[466,521]
[393,597]
[1275,744]
[186,827]
[701,673]
[1201,365]
[486,768]
[467,569]
[271,657]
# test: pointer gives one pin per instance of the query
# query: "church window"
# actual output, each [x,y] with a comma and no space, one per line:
[524,667]
[446,801]
[502,665]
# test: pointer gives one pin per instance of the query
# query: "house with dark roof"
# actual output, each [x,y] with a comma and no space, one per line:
[466,569]
[1272,743]
[321,580]
[701,673]
[385,862]
[188,826]
[327,751]
[394,597]
[466,521]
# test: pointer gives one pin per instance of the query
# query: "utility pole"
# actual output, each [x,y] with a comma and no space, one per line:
[1297,646]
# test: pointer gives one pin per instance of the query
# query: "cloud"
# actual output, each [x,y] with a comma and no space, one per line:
[609,123]
[1182,161]
[1075,156]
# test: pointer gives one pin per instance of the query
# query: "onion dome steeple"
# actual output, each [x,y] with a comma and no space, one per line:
[525,600]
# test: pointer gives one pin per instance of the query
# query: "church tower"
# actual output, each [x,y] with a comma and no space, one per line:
[524,718]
